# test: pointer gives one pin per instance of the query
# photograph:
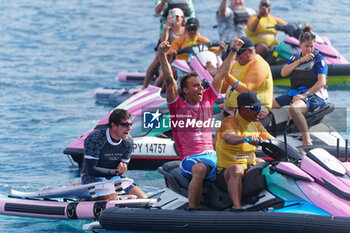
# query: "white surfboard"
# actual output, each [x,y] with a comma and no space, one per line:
[80,191]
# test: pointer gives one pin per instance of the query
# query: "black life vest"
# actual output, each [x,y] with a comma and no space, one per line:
[302,75]
[182,4]
[240,16]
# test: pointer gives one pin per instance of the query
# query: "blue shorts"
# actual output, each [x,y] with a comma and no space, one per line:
[311,102]
[208,158]
[92,179]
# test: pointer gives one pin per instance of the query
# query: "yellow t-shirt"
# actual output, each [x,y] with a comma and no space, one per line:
[242,153]
[265,31]
[254,76]
[185,41]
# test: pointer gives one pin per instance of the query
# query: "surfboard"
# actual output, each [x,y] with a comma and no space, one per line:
[93,190]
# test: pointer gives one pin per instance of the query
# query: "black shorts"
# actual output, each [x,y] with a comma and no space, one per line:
[220,180]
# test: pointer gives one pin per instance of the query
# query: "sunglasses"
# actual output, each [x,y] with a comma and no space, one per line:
[240,51]
[125,124]
[192,29]
[265,4]
[254,108]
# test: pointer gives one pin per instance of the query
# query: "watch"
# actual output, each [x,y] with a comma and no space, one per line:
[247,140]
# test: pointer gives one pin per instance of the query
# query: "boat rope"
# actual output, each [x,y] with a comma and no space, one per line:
[72,161]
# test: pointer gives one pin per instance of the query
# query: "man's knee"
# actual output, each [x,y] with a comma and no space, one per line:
[199,170]
[235,170]
[258,160]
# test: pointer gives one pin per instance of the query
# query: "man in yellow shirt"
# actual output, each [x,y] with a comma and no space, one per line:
[237,141]
[250,73]
[261,28]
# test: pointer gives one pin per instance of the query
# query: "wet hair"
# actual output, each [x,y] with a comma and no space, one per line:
[307,34]
[183,81]
[117,116]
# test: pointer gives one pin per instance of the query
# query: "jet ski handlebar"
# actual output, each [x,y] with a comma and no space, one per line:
[277,150]
[197,48]
[293,29]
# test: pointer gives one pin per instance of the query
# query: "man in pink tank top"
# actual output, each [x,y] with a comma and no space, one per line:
[191,120]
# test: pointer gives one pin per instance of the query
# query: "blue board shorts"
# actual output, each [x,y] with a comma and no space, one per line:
[311,102]
[92,179]
[208,158]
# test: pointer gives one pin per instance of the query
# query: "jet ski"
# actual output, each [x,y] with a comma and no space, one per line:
[71,202]
[199,55]
[154,145]
[338,65]
[296,193]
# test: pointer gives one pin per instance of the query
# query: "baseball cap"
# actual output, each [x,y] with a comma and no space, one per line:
[248,43]
[249,98]
[178,12]
[192,22]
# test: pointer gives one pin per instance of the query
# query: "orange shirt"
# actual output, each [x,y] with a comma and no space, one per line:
[185,41]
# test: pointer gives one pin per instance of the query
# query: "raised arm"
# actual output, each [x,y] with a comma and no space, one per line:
[222,9]
[225,68]
[160,6]
[171,86]
[253,22]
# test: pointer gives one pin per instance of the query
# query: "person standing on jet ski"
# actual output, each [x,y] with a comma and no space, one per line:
[107,152]
[308,78]
[163,7]
[232,19]
[173,14]
[236,143]
[174,28]
[194,143]
[261,28]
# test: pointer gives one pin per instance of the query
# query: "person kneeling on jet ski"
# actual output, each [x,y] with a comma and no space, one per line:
[308,79]
[238,139]
[107,152]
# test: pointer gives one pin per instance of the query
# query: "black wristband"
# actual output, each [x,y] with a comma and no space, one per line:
[115,172]
[234,50]
[259,17]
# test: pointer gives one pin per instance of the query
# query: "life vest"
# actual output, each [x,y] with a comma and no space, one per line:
[265,31]
[188,42]
[303,75]
[182,4]
[241,16]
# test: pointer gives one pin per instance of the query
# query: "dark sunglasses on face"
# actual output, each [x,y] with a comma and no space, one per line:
[240,51]
[254,108]
[192,29]
[265,4]
[125,124]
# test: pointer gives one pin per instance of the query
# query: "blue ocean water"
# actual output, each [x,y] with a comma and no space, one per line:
[54,54]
